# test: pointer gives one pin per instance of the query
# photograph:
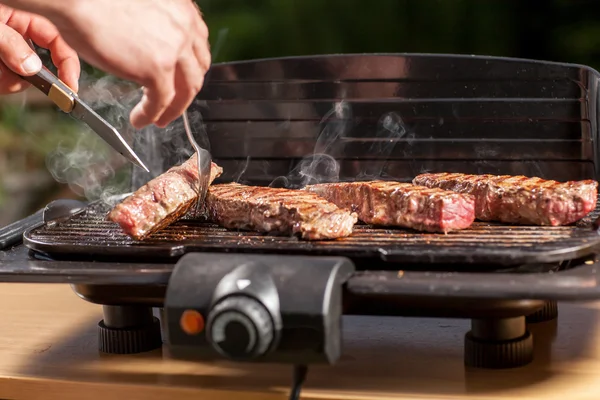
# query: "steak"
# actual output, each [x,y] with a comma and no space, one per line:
[277,211]
[161,201]
[519,199]
[404,205]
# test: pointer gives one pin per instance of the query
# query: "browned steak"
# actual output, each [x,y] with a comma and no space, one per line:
[277,211]
[161,201]
[519,199]
[401,204]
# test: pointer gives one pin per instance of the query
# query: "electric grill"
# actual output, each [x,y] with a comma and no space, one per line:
[292,121]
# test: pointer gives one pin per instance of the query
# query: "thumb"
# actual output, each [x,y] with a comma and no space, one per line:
[16,54]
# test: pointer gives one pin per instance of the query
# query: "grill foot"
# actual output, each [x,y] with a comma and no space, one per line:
[163,325]
[128,330]
[498,343]
[547,313]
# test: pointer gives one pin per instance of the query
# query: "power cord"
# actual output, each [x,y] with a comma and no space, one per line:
[299,376]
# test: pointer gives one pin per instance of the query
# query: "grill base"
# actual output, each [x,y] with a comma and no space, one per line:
[447,105]
[498,339]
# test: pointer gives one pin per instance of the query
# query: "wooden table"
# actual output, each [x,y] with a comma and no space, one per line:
[48,350]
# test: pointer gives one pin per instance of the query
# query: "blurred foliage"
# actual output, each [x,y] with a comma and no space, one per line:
[34,131]
[556,30]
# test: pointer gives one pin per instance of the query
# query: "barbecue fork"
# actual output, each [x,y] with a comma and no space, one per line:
[203,159]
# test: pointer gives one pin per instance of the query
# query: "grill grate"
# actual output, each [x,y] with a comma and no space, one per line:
[89,234]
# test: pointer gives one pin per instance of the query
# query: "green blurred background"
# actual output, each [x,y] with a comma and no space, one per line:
[31,129]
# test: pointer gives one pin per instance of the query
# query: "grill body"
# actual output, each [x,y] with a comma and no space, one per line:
[293,121]
[298,120]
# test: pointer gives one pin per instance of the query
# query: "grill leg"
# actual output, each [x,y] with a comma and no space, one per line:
[547,313]
[128,330]
[498,343]
[163,325]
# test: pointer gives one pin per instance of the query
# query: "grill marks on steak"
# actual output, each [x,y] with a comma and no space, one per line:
[405,205]
[161,201]
[519,199]
[277,211]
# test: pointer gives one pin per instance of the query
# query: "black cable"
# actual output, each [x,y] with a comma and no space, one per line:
[299,376]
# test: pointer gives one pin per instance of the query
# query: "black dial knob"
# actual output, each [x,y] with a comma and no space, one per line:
[240,327]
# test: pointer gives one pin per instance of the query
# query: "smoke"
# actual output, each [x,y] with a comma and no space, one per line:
[220,42]
[390,129]
[322,165]
[238,175]
[85,167]
[163,148]
[86,163]
[92,169]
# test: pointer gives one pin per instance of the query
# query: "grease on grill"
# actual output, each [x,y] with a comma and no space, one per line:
[89,233]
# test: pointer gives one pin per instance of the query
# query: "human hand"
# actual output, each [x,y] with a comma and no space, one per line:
[161,45]
[17,58]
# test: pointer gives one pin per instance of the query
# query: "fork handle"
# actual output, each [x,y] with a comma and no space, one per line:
[49,84]
[54,88]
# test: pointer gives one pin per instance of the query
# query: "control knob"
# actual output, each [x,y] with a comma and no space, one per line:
[240,327]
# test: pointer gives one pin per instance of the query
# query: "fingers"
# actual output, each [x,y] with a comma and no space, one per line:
[189,74]
[16,54]
[157,97]
[189,78]
[171,93]
[46,35]
[10,82]
[69,71]
[202,53]
[200,45]
[202,29]
[17,58]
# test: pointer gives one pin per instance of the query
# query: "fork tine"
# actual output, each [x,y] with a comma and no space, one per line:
[203,160]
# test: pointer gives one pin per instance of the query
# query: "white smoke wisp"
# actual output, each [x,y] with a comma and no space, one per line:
[86,167]
[91,168]
[87,164]
[321,165]
[390,130]
[220,42]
